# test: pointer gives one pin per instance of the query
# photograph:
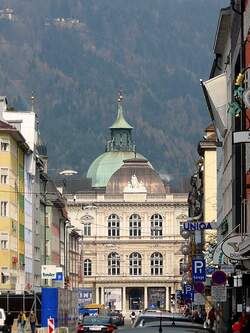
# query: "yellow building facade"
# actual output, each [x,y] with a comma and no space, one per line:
[12,151]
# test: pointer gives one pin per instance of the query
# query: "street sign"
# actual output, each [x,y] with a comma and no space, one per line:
[219,277]
[178,294]
[59,276]
[192,226]
[48,272]
[199,299]
[242,136]
[188,291]
[199,287]
[199,270]
[219,293]
[210,270]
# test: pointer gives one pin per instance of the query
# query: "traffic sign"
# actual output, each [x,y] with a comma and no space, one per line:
[219,293]
[199,287]
[199,270]
[188,291]
[219,277]
[199,299]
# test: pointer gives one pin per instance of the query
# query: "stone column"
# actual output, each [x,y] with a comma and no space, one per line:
[124,303]
[167,299]
[97,295]
[145,297]
[102,295]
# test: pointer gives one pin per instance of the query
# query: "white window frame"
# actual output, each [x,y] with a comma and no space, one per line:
[135,264]
[114,226]
[114,263]
[4,175]
[87,267]
[135,226]
[156,264]
[156,226]
[3,143]
[87,229]
[4,208]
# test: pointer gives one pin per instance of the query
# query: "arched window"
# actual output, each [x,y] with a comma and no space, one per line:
[156,225]
[87,267]
[156,264]
[113,226]
[135,263]
[135,226]
[181,262]
[113,264]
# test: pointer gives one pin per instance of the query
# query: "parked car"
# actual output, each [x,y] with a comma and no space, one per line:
[117,317]
[96,324]
[150,317]
[177,327]
[2,319]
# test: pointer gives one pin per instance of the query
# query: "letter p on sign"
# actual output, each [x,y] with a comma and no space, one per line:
[199,270]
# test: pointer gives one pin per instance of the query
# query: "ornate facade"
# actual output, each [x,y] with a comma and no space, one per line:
[130,229]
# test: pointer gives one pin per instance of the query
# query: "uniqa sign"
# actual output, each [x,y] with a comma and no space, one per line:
[192,226]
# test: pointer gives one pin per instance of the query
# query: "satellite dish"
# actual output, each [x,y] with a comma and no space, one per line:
[246,98]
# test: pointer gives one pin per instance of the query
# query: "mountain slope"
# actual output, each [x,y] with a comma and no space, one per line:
[155,51]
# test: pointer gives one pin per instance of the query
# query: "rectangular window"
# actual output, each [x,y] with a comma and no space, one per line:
[4,208]
[4,244]
[4,275]
[87,229]
[4,172]
[5,145]
[21,260]
[37,253]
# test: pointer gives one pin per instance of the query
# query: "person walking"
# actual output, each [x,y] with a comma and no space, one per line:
[9,322]
[32,320]
[21,322]
[132,317]
[211,317]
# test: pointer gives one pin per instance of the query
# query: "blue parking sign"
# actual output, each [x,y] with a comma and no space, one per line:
[188,291]
[199,269]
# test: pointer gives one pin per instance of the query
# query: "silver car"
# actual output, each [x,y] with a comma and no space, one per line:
[151,317]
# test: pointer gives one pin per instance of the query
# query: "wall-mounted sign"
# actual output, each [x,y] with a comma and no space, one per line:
[230,247]
[192,226]
[219,293]
[48,272]
[241,137]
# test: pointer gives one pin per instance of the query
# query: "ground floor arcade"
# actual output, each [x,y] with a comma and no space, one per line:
[129,297]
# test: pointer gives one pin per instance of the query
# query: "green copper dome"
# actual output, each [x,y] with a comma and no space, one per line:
[119,147]
[101,170]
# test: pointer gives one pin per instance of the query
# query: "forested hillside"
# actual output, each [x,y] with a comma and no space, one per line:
[76,54]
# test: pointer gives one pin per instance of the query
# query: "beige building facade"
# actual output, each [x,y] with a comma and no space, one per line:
[130,224]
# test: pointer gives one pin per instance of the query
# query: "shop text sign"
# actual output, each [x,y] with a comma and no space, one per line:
[193,226]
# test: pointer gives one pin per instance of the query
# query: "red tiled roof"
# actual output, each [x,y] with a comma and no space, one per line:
[3,124]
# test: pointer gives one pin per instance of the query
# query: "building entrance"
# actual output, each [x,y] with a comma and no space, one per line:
[135,296]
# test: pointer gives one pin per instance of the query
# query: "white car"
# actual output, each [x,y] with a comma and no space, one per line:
[2,319]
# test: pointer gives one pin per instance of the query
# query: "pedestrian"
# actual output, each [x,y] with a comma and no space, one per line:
[211,318]
[132,317]
[9,322]
[21,322]
[32,320]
